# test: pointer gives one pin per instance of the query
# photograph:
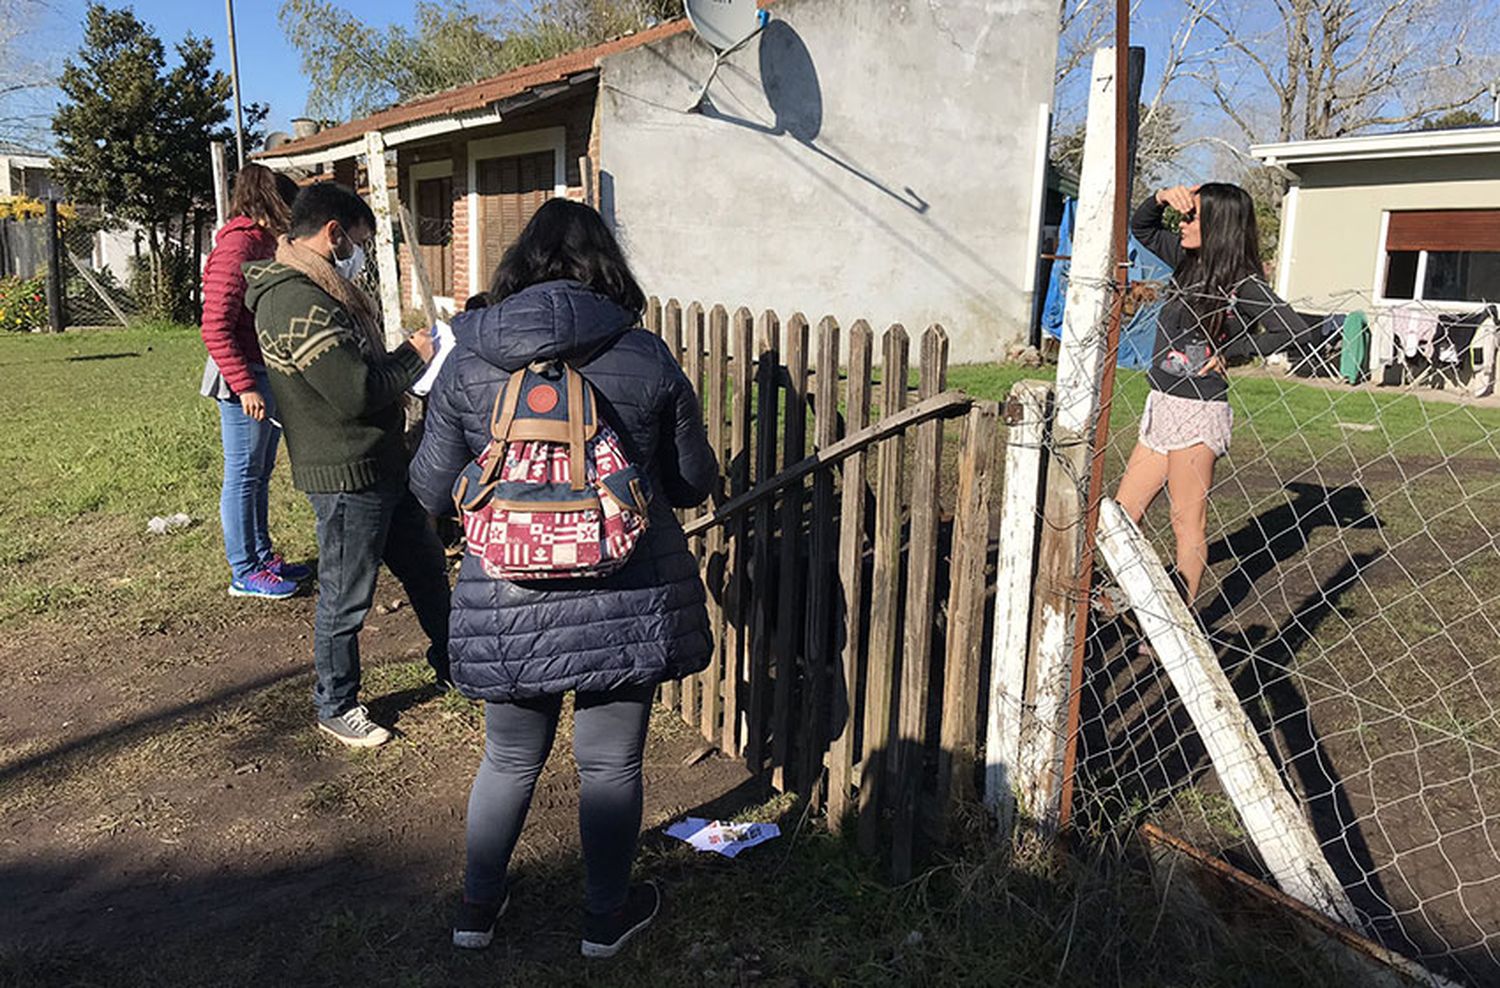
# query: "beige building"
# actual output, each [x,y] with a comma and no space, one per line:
[1373,222]
[24,172]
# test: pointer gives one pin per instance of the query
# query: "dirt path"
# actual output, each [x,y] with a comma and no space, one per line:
[163,786]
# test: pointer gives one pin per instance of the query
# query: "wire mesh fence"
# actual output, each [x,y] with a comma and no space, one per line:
[110,279]
[1350,598]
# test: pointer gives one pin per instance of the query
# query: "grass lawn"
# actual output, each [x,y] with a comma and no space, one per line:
[173,819]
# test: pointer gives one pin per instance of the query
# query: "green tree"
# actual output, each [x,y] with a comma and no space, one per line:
[133,135]
[356,69]
[1455,118]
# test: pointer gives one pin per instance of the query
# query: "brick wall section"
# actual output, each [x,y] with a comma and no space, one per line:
[461,287]
[595,140]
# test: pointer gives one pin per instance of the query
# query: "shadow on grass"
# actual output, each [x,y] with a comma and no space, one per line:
[100,356]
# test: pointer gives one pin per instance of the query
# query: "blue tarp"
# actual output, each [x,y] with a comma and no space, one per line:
[1057,283]
[1138,336]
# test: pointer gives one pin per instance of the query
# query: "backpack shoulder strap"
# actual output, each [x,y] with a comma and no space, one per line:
[577,464]
[501,416]
[506,402]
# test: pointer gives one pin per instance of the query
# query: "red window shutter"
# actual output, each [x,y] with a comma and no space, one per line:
[1444,229]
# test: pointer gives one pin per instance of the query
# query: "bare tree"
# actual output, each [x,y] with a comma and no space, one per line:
[1307,69]
[1086,25]
[24,79]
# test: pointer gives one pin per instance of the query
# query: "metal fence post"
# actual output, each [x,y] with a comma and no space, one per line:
[55,314]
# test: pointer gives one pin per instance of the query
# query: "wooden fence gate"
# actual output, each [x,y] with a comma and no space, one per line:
[846,582]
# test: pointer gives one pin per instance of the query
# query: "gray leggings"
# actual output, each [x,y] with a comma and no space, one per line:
[609,733]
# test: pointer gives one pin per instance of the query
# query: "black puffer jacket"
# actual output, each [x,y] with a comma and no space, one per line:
[643,624]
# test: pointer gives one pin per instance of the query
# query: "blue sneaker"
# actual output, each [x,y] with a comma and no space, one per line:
[262,583]
[283,570]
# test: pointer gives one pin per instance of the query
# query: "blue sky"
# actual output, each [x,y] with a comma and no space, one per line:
[270,71]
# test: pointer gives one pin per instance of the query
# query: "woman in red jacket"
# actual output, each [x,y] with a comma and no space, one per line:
[235,375]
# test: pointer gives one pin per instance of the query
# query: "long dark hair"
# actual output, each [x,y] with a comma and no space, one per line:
[1229,253]
[264,196]
[567,241]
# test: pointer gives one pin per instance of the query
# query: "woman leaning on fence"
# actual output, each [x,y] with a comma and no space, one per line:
[259,212]
[1217,295]
[564,293]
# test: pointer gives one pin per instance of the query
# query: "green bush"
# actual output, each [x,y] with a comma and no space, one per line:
[23,304]
[167,293]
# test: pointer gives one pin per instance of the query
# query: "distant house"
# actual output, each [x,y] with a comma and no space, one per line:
[875,161]
[1391,218]
[25,172]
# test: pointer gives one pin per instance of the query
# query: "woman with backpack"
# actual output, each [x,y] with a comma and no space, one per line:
[1217,294]
[236,376]
[563,297]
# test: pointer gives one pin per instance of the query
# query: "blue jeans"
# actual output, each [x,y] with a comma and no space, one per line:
[357,530]
[609,735]
[249,457]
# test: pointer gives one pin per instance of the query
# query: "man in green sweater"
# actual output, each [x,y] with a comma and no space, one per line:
[339,394]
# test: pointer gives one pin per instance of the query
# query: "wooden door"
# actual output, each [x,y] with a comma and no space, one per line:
[434,222]
[511,190]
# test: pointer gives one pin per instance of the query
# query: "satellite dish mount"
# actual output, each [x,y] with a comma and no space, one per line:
[726,26]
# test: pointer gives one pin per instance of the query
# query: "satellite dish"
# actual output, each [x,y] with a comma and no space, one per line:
[276,138]
[725,26]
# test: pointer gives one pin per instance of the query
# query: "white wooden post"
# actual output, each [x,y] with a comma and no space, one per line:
[385,238]
[1079,369]
[1020,517]
[1277,828]
[1091,271]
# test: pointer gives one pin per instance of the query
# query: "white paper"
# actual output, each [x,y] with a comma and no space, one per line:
[442,345]
[728,839]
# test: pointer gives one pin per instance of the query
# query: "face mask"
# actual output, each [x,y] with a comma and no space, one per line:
[350,267]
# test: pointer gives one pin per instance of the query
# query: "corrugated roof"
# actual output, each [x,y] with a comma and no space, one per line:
[478,95]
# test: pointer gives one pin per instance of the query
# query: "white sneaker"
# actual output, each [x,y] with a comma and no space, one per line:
[475,928]
[355,728]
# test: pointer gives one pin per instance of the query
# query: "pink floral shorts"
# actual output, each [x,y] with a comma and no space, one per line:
[1172,422]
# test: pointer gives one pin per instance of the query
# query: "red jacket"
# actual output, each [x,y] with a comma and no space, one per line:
[228,327]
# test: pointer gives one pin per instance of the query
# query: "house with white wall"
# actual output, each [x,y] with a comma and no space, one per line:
[25,172]
[871,159]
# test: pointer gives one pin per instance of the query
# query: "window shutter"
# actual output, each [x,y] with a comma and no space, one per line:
[1444,229]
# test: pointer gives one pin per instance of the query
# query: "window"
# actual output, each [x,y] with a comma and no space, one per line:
[1401,273]
[1442,255]
[511,189]
[1462,276]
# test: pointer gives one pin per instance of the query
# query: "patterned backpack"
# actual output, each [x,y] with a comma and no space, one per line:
[553,495]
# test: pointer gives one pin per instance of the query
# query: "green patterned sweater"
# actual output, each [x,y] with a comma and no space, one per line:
[340,409]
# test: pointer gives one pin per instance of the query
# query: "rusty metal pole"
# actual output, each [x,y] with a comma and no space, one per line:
[1100,436]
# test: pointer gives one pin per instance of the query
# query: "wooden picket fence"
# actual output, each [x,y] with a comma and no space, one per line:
[846,585]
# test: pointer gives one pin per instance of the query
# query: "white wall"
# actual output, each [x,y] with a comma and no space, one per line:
[896,184]
[114,250]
